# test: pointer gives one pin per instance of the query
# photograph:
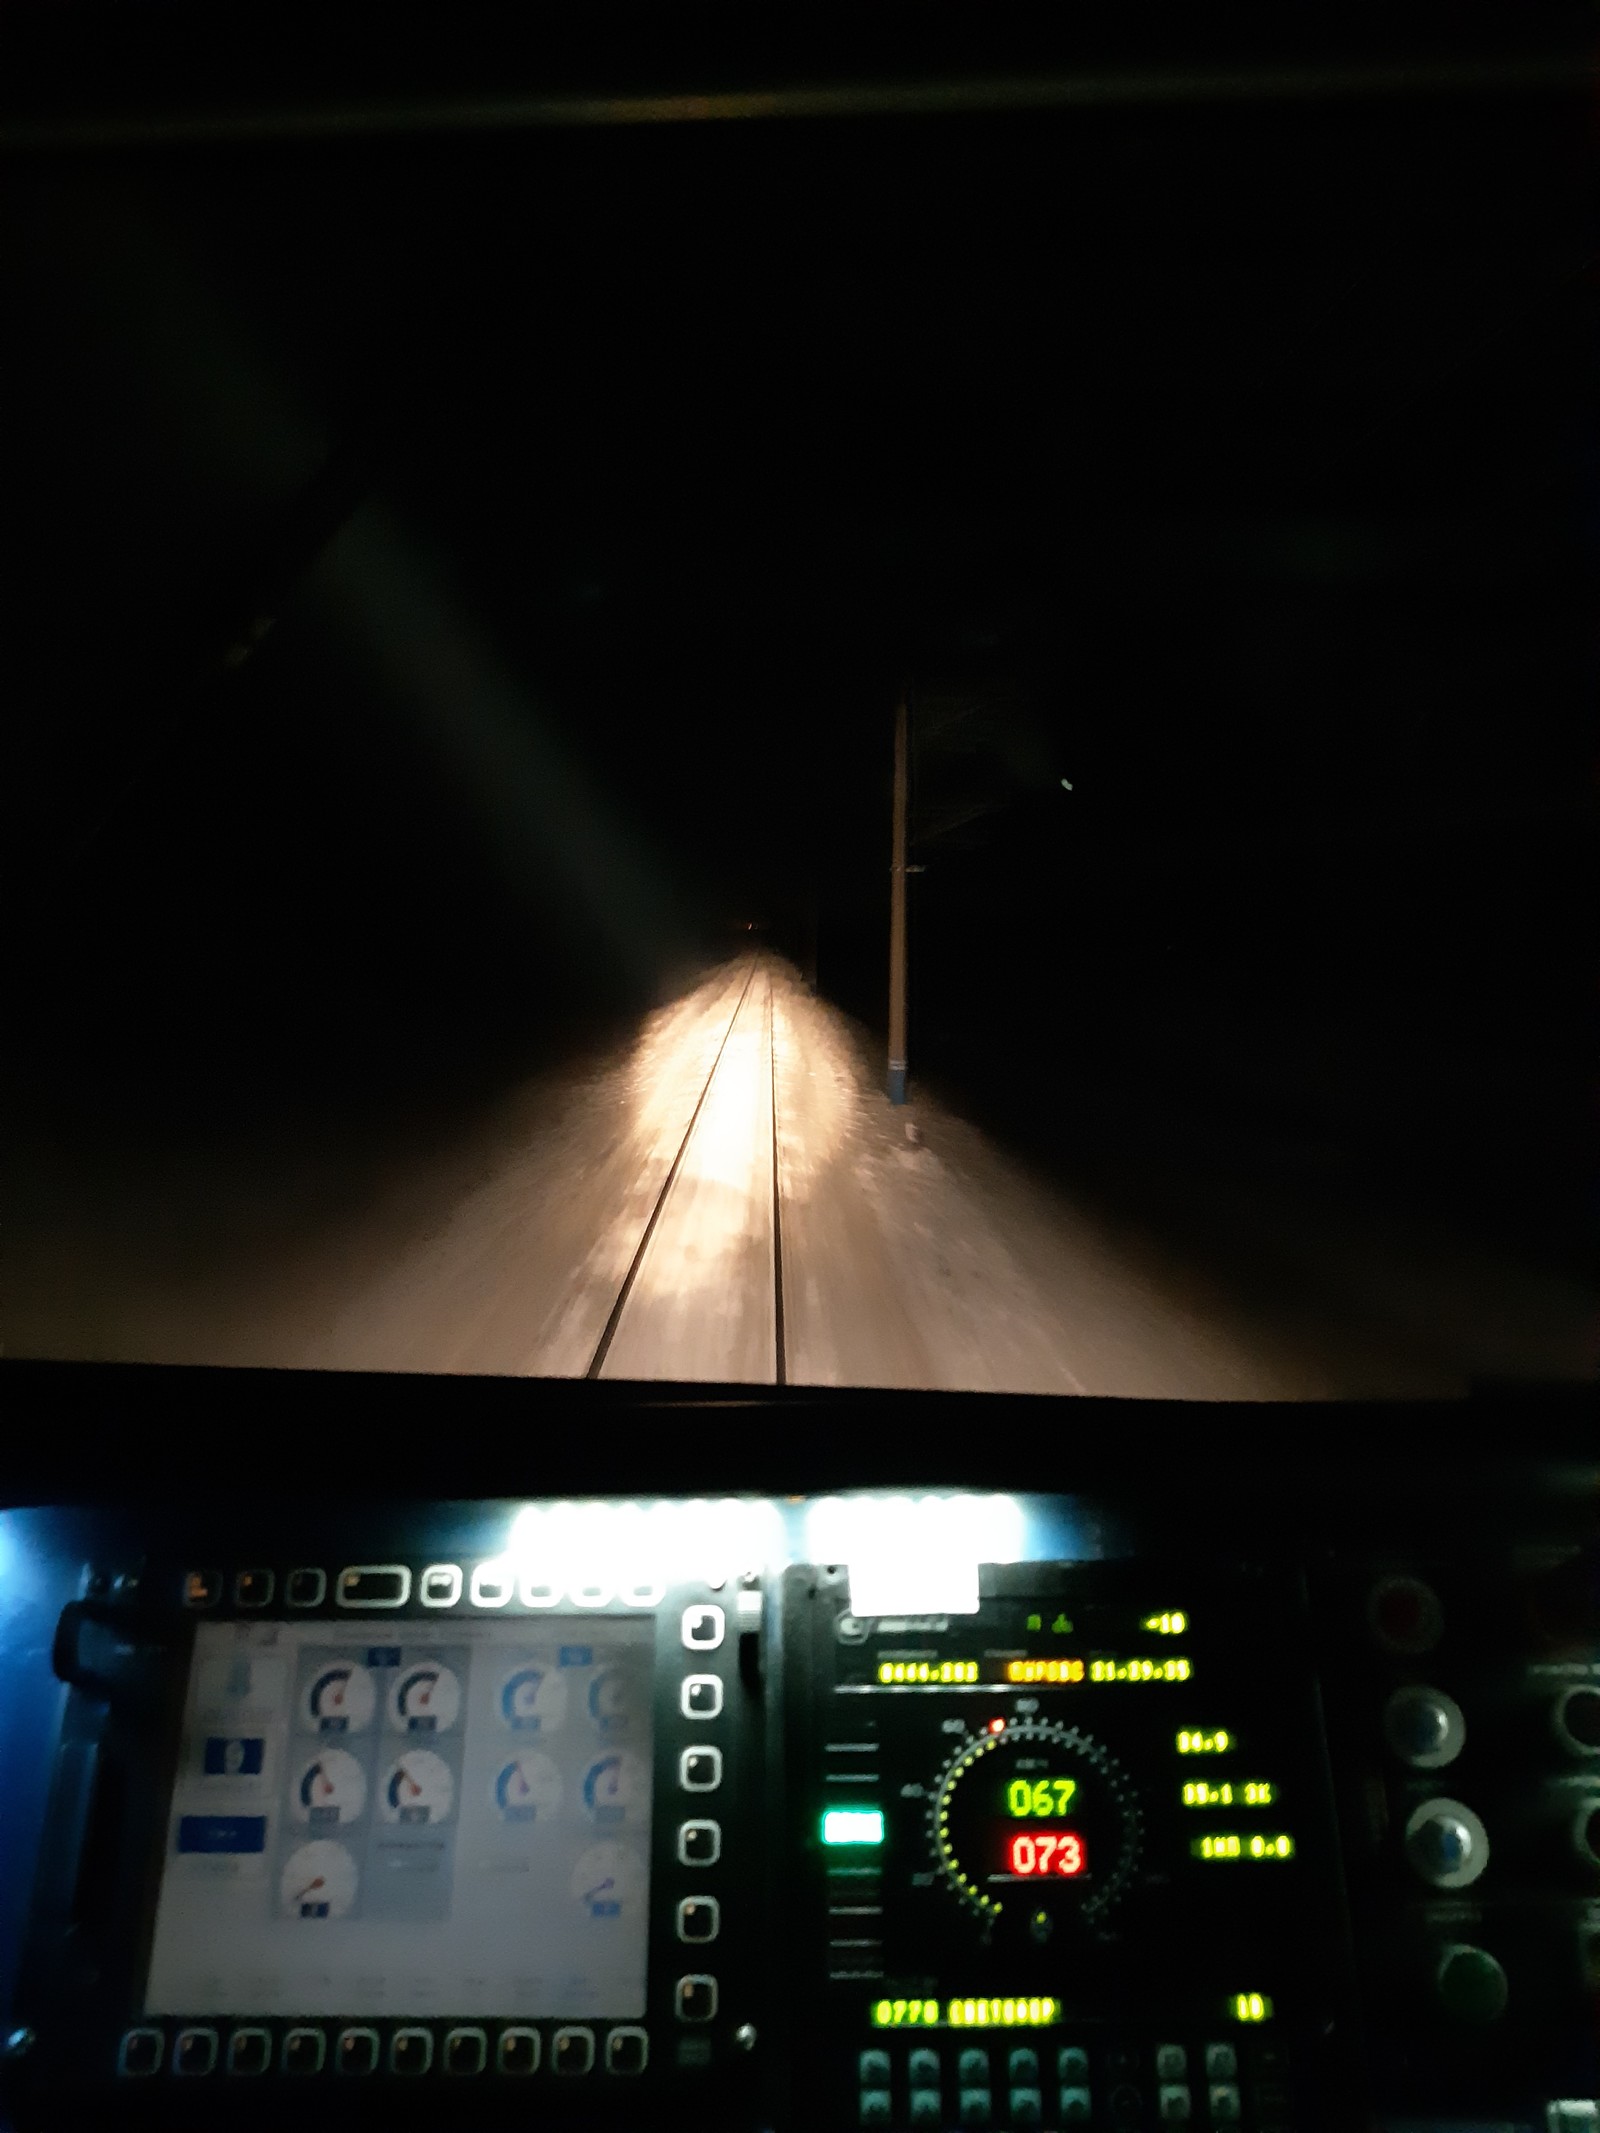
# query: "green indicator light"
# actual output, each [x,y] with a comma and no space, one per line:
[853,1825]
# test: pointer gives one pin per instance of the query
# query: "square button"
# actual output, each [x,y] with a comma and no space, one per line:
[466,2051]
[699,1843]
[1125,2105]
[141,2052]
[202,1588]
[927,2107]
[249,2051]
[305,1587]
[872,2070]
[701,1696]
[876,2107]
[1174,2103]
[972,2069]
[518,2051]
[1222,2062]
[304,2051]
[1076,2104]
[1227,2106]
[441,1585]
[1072,2064]
[922,2068]
[700,1918]
[700,1769]
[1027,2107]
[976,2107]
[703,1628]
[195,2051]
[572,2050]
[1172,2062]
[627,2051]
[253,1588]
[356,2052]
[697,1998]
[1022,2067]
[411,2052]
[1122,2062]
[1270,2099]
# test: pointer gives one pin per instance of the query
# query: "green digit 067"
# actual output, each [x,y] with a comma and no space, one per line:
[1042,1797]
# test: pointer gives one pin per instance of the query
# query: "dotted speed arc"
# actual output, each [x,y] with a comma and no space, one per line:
[974,1759]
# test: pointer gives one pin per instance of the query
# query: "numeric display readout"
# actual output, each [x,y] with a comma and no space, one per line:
[1058,1671]
[1031,1852]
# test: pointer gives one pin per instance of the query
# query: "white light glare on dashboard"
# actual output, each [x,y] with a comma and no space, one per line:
[592,1553]
[914,1555]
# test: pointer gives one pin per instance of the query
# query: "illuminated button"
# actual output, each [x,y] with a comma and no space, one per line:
[492,1585]
[1222,2062]
[195,2051]
[1577,1717]
[466,2051]
[1072,2063]
[701,1696]
[1022,2067]
[699,1918]
[627,2051]
[699,1843]
[927,2107]
[373,1585]
[1174,2104]
[1027,2107]
[922,2068]
[303,2051]
[697,1998]
[872,2070]
[305,1587]
[975,2108]
[141,2053]
[875,2107]
[1424,1727]
[972,2069]
[1404,1615]
[1471,1985]
[253,1588]
[202,1588]
[572,2050]
[1125,2105]
[1172,2062]
[518,2051]
[356,2052]
[700,1769]
[441,1585]
[411,2052]
[703,1628]
[1076,2104]
[1225,2103]
[249,2051]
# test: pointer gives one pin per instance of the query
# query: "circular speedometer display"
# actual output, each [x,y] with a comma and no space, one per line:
[1036,1818]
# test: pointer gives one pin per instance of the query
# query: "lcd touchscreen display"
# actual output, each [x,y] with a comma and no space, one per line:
[410,1819]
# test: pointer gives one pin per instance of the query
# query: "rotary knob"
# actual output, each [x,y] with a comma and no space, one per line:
[1424,1727]
[1577,1720]
[1446,1844]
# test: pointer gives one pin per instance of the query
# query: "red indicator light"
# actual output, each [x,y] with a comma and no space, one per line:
[1032,1852]
[997,1725]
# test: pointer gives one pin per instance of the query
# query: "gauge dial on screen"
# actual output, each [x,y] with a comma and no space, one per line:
[612,1785]
[340,1698]
[417,1787]
[332,1787]
[528,1788]
[426,1698]
[608,1880]
[318,1881]
[611,1700]
[1034,1824]
[533,1698]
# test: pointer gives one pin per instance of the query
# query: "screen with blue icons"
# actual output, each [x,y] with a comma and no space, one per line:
[410,1820]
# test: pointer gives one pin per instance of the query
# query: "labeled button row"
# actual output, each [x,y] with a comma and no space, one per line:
[494,1583]
[1190,2087]
[358,2051]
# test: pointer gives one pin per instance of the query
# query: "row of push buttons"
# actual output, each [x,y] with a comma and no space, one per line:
[389,1585]
[1219,2101]
[304,2050]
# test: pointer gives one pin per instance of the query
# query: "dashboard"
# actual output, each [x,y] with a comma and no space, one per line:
[795,1759]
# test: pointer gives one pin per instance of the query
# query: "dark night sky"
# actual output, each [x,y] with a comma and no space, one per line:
[1236,462]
